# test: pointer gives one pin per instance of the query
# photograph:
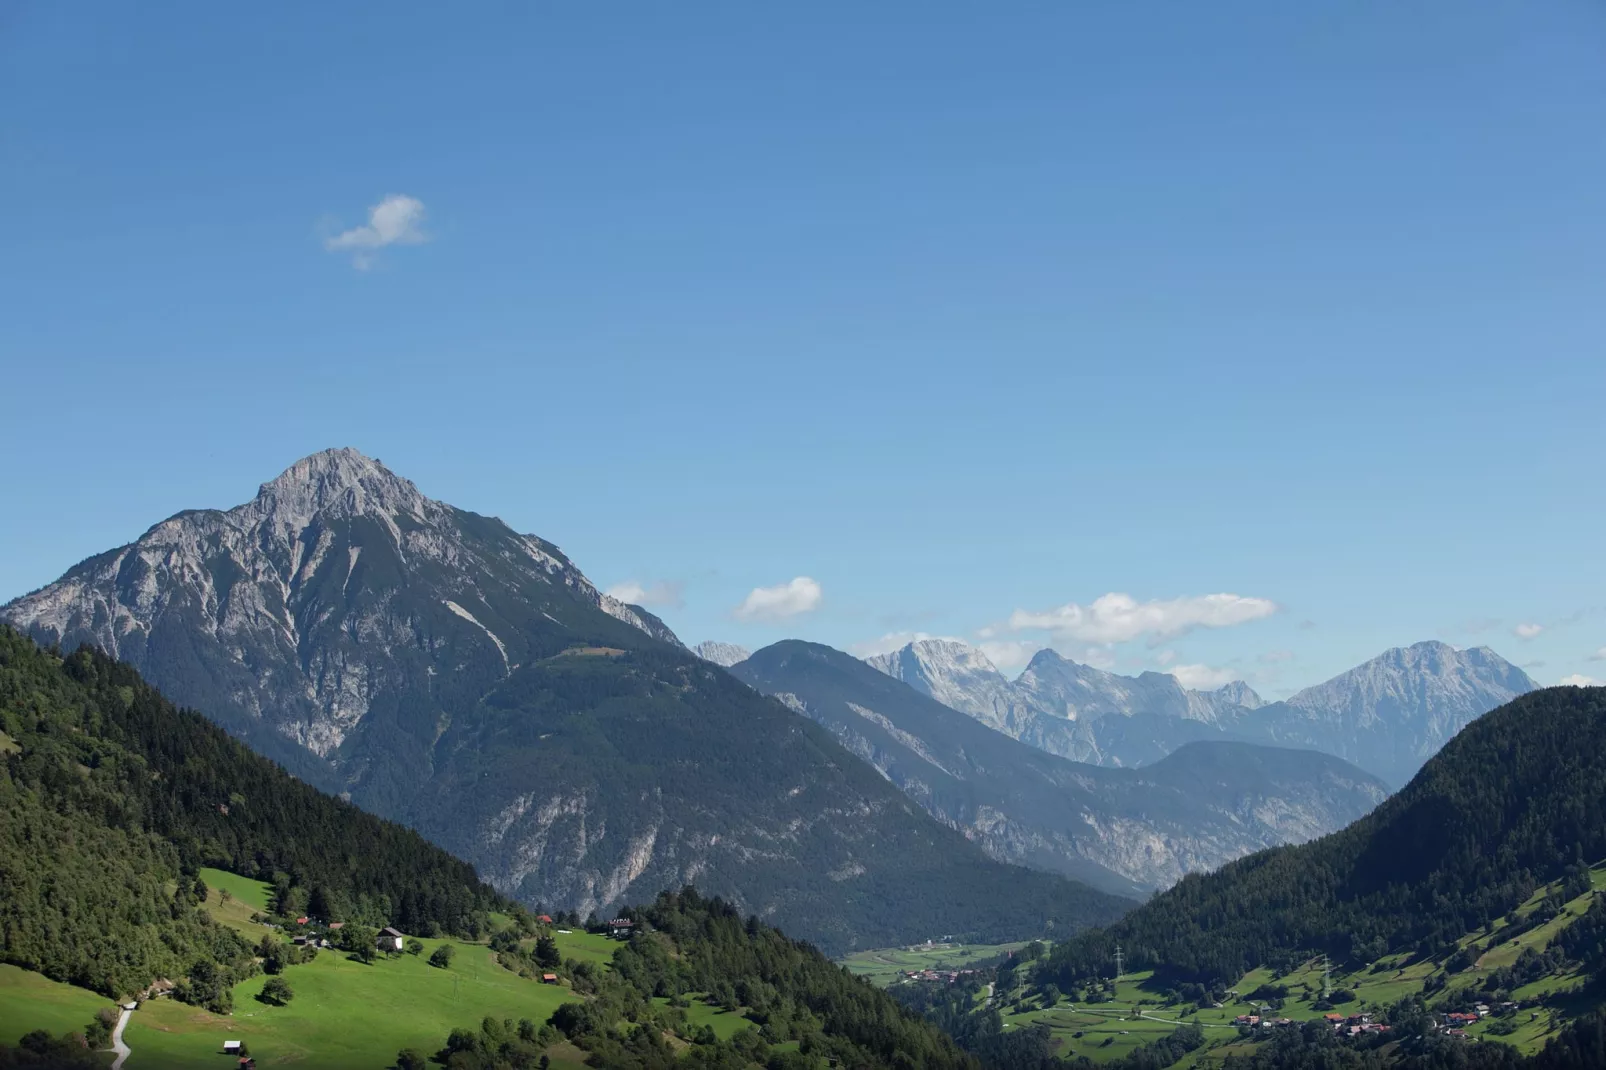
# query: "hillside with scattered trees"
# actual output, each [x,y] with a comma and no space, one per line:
[802,1011]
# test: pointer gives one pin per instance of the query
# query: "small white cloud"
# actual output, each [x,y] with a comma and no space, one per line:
[1166,657]
[1599,655]
[665,593]
[1276,657]
[800,595]
[396,220]
[1201,677]
[1527,630]
[1580,680]
[1120,618]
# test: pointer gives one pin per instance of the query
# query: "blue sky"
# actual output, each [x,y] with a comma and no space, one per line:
[966,314]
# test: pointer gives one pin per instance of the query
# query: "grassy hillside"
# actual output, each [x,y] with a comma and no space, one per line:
[344,1013]
[701,984]
[31,1001]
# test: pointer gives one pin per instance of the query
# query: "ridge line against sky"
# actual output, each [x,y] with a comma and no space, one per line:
[852,324]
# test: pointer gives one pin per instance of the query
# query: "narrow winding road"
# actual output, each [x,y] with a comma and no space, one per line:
[123,1051]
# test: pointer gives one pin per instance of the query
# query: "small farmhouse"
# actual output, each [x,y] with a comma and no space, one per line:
[390,939]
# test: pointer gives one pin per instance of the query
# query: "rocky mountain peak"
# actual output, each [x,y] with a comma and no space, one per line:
[1239,693]
[309,594]
[722,654]
[338,482]
[940,667]
[1392,713]
[1423,679]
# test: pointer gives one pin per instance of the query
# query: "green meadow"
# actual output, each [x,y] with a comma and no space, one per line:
[343,1013]
[30,1001]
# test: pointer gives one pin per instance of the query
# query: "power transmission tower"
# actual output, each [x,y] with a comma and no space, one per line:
[1327,979]
[1117,962]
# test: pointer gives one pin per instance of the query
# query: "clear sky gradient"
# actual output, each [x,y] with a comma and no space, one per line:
[955,310]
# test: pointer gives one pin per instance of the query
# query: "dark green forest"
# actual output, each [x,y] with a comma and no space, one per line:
[1516,800]
[113,798]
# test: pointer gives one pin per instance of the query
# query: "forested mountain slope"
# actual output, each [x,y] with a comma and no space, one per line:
[673,772]
[112,798]
[1119,829]
[1510,803]
[468,680]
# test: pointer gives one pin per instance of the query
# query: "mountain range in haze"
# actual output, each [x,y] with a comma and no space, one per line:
[1388,716]
[1125,830]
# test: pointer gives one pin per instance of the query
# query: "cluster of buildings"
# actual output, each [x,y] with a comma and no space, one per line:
[1351,1025]
[316,934]
[1455,1023]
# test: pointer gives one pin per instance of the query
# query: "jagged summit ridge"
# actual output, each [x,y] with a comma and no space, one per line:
[1433,674]
[1388,715]
[954,673]
[962,677]
[309,591]
[1394,712]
